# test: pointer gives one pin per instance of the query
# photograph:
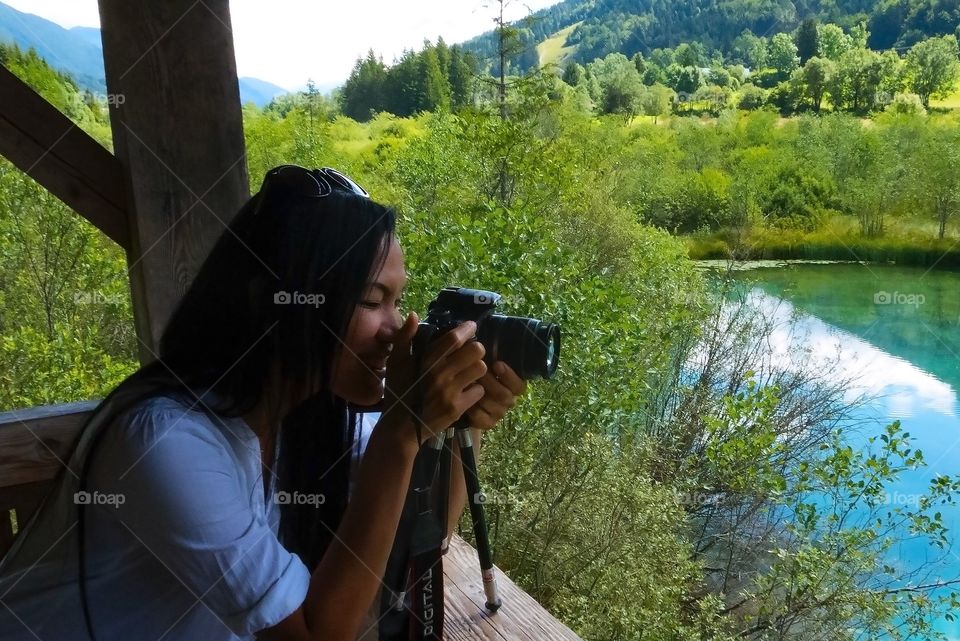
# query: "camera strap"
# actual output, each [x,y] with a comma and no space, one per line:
[411,601]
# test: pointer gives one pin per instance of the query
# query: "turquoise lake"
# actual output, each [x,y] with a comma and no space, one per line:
[898,332]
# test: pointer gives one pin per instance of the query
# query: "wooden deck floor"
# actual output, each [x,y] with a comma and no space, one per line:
[520,618]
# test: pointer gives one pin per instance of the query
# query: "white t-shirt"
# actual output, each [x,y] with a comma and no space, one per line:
[181,544]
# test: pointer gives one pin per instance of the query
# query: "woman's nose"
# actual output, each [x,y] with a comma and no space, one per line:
[389,330]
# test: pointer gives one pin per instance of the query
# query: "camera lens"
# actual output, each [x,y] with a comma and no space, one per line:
[530,347]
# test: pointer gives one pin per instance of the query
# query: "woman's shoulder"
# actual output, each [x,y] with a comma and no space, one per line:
[176,420]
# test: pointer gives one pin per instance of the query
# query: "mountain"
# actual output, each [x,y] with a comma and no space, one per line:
[70,51]
[599,27]
[79,52]
[259,92]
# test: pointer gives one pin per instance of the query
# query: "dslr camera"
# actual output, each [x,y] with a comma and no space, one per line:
[529,346]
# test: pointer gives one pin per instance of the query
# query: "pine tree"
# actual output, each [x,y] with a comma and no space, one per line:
[363,93]
[460,76]
[434,85]
[807,40]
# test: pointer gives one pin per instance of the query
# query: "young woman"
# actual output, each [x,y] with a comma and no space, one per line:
[217,493]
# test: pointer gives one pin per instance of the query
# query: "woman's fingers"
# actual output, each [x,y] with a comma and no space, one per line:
[447,344]
[508,378]
[480,418]
[470,373]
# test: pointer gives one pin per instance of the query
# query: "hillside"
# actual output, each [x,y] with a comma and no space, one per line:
[79,53]
[599,27]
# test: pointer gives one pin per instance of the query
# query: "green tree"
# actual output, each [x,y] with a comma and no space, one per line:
[404,86]
[362,93]
[461,77]
[833,41]
[434,82]
[690,54]
[856,81]
[751,97]
[782,54]
[751,50]
[684,80]
[656,101]
[816,76]
[932,67]
[936,175]
[619,82]
[807,40]
[573,73]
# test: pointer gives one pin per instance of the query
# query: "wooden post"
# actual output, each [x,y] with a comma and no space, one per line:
[178,134]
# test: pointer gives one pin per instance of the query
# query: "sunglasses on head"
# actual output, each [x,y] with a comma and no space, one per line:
[310,183]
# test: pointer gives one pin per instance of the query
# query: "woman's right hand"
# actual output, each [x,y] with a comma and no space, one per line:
[449,369]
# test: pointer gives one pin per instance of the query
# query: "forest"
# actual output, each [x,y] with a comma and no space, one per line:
[673,482]
[640,26]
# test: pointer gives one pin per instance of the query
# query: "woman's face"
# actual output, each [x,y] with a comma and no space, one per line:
[360,363]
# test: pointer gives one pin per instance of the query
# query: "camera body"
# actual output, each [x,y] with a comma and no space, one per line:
[529,346]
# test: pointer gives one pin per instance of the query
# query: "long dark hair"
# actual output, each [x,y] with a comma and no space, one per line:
[231,330]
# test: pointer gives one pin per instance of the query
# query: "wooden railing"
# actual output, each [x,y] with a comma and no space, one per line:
[34,446]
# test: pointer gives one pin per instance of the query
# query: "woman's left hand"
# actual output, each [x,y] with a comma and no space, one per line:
[501,388]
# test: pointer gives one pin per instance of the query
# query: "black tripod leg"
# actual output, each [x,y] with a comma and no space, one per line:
[442,483]
[474,496]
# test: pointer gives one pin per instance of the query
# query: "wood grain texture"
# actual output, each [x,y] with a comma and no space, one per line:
[520,617]
[178,134]
[35,442]
[51,149]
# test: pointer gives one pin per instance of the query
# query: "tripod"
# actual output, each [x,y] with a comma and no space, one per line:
[412,604]
[442,449]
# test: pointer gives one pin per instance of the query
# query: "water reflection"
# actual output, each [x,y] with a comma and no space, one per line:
[897,333]
[904,389]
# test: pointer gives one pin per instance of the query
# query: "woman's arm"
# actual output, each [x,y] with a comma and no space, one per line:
[348,578]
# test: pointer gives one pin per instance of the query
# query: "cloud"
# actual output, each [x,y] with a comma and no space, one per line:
[287,42]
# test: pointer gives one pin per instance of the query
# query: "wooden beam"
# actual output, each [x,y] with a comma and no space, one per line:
[35,442]
[51,149]
[178,133]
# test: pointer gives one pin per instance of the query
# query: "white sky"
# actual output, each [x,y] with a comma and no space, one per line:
[288,41]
